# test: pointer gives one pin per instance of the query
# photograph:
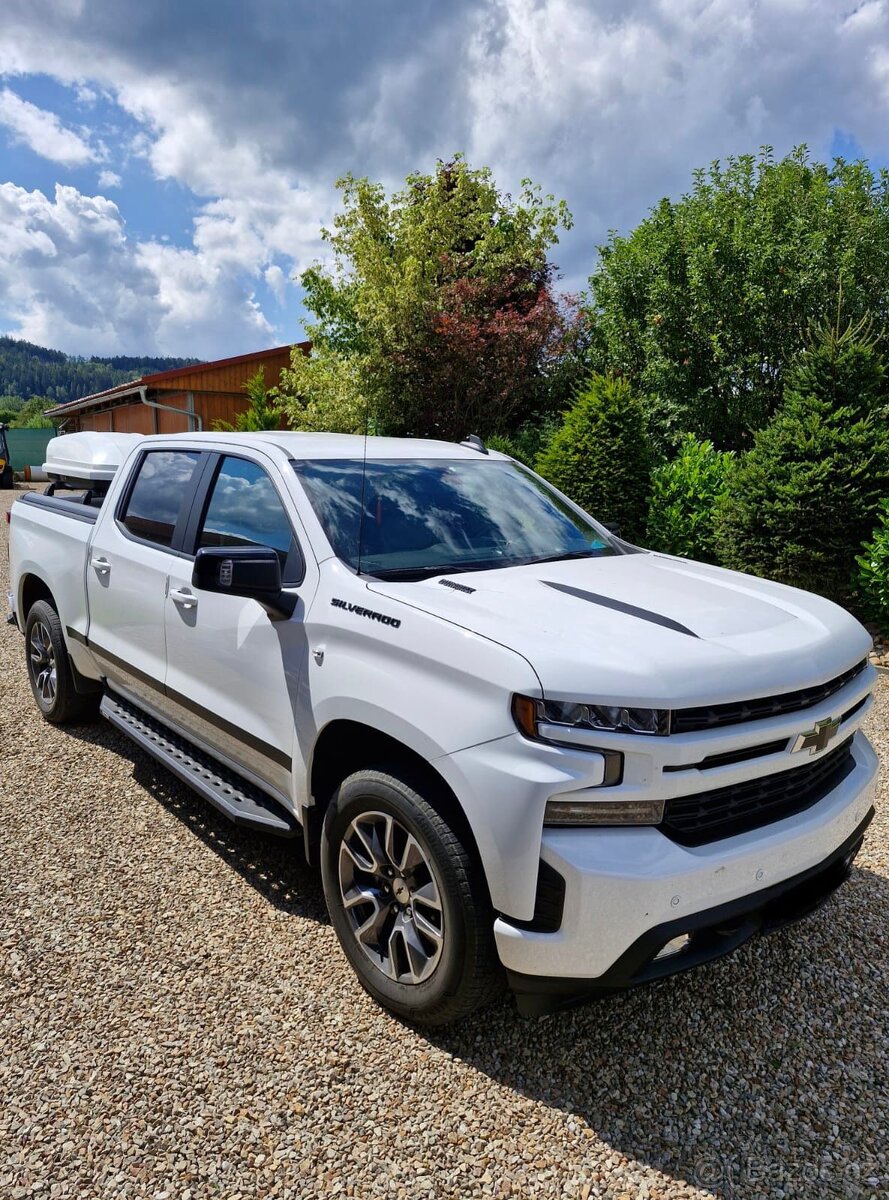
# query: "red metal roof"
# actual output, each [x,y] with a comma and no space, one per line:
[163,377]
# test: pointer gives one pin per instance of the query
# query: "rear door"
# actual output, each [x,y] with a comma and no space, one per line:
[128,570]
[232,670]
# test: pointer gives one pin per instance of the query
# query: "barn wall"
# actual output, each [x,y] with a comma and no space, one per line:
[213,406]
[125,418]
[168,422]
[231,377]
[100,421]
[132,418]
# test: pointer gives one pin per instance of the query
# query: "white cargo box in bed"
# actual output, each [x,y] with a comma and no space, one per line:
[87,457]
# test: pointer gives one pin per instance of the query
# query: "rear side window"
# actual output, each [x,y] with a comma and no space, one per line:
[244,509]
[162,484]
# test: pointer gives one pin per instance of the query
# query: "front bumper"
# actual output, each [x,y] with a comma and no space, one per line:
[629,891]
[713,933]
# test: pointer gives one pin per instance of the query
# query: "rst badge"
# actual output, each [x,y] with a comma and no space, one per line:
[817,739]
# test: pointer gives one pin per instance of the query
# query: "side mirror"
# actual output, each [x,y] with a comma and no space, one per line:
[253,572]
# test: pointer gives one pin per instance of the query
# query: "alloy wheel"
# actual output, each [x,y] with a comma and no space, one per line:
[43,662]
[392,897]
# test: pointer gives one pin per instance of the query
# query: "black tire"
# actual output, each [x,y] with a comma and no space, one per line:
[49,669]
[7,479]
[464,972]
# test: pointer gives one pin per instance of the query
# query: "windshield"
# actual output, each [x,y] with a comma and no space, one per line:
[427,517]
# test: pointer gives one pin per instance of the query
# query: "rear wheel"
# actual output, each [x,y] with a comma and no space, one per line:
[7,479]
[407,901]
[49,668]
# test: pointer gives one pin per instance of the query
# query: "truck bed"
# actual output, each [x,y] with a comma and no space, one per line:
[50,540]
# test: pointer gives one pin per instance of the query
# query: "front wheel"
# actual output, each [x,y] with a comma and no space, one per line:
[407,901]
[49,668]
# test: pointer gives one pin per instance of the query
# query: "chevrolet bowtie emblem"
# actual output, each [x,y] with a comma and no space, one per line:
[815,740]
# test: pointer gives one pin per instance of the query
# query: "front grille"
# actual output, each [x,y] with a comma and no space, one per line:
[728,757]
[691,720]
[724,812]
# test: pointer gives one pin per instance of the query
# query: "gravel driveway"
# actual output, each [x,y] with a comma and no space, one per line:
[176,1021]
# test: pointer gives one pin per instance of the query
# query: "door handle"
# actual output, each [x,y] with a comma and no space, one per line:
[101,566]
[184,598]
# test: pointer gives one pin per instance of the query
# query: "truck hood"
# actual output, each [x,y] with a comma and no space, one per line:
[647,629]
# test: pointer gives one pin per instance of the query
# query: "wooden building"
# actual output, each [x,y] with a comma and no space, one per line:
[183,400]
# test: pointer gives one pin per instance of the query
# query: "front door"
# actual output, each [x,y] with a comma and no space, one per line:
[129,564]
[233,670]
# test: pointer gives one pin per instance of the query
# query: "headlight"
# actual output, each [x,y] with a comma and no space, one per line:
[572,722]
[534,720]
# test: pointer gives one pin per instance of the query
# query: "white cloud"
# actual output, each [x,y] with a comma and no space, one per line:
[276,281]
[199,297]
[109,179]
[610,105]
[67,272]
[43,132]
[613,105]
[76,282]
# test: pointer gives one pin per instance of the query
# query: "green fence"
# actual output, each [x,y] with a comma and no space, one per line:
[27,447]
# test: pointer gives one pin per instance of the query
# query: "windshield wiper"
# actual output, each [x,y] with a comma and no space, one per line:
[417,573]
[411,573]
[564,557]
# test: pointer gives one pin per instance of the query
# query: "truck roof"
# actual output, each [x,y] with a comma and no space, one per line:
[93,456]
[340,445]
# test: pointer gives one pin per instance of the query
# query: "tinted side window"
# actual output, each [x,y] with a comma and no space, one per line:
[161,485]
[245,510]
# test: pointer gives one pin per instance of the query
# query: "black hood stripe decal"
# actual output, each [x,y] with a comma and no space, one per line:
[630,610]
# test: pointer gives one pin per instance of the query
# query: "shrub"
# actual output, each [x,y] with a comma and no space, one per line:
[600,456]
[873,573]
[802,501]
[528,442]
[684,494]
[262,412]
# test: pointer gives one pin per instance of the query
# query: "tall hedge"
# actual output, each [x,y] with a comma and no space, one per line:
[600,456]
[802,501]
[684,496]
[873,573]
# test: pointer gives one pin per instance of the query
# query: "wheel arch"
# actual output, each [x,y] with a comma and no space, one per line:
[31,589]
[345,746]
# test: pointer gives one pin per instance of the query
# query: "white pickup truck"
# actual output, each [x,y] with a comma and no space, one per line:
[521,748]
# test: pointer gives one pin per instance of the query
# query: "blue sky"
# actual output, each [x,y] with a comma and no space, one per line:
[165,169]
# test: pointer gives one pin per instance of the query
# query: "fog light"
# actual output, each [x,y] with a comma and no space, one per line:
[675,946]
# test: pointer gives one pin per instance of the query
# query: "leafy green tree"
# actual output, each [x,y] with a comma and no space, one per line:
[800,503]
[600,457]
[10,406]
[873,573]
[30,415]
[438,315]
[684,494]
[262,412]
[706,303]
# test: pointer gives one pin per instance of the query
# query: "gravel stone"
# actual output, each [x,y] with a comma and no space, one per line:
[178,1023]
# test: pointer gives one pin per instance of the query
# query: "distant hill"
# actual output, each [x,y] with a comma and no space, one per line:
[27,370]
